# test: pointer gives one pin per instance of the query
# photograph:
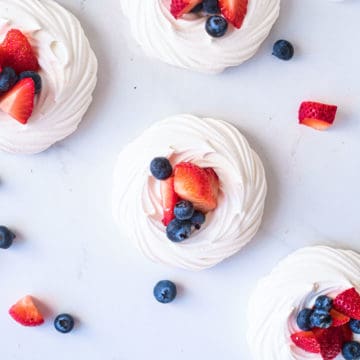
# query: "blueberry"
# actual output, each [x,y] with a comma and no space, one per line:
[6,237]
[184,210]
[303,319]
[33,75]
[197,8]
[8,79]
[64,323]
[283,50]
[211,7]
[351,350]
[161,168]
[197,219]
[165,291]
[178,231]
[355,326]
[323,302]
[321,319]
[216,26]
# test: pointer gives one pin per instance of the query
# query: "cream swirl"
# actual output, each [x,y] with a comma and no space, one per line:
[185,43]
[68,70]
[207,143]
[294,284]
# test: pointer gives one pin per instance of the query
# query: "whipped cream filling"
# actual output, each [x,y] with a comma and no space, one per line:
[294,284]
[185,43]
[68,71]
[207,143]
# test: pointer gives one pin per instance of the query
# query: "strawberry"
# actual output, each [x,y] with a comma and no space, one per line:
[348,303]
[316,115]
[26,313]
[306,340]
[234,11]
[198,185]
[180,7]
[19,101]
[18,52]
[169,199]
[338,318]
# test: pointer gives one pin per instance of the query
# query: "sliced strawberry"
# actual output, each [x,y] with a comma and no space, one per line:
[234,11]
[26,313]
[198,185]
[19,101]
[348,303]
[338,318]
[306,340]
[316,115]
[18,52]
[180,7]
[169,199]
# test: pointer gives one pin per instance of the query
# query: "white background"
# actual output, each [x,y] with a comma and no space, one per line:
[70,255]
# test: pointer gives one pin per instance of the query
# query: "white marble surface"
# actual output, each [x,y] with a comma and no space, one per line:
[69,253]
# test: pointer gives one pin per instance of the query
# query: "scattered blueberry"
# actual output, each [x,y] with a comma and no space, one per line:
[197,8]
[184,210]
[323,302]
[355,326]
[165,291]
[33,75]
[283,50]
[303,319]
[8,79]
[321,319]
[211,7]
[178,231]
[161,168]
[6,237]
[216,26]
[351,350]
[64,323]
[198,219]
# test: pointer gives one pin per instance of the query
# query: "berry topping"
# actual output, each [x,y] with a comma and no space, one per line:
[283,50]
[355,326]
[351,350]
[35,76]
[306,340]
[348,303]
[26,313]
[184,210]
[168,199]
[180,7]
[316,115]
[211,7]
[6,237]
[338,318]
[198,219]
[198,185]
[64,323]
[165,291]
[197,8]
[178,231]
[216,26]
[234,11]
[8,79]
[19,101]
[321,319]
[161,168]
[303,319]
[323,302]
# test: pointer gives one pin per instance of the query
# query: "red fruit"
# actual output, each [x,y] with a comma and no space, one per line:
[338,318]
[234,11]
[18,52]
[198,185]
[180,7]
[19,101]
[306,340]
[169,199]
[26,313]
[316,115]
[348,303]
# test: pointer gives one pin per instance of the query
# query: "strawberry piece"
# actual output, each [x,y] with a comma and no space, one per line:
[306,340]
[169,199]
[198,185]
[18,52]
[180,7]
[316,115]
[234,11]
[338,318]
[348,303]
[26,313]
[19,101]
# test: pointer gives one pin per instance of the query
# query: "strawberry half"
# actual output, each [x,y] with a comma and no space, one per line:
[234,11]
[18,52]
[180,7]
[26,313]
[198,185]
[306,340]
[169,199]
[348,303]
[338,318]
[19,101]
[316,115]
